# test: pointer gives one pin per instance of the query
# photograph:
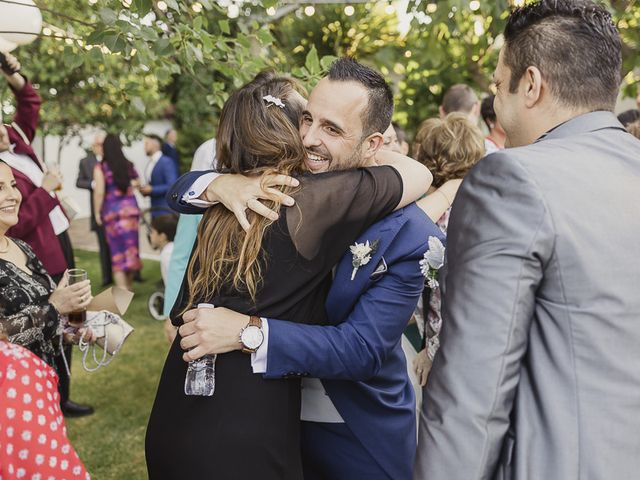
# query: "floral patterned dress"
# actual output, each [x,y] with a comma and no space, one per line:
[33,437]
[26,316]
[121,220]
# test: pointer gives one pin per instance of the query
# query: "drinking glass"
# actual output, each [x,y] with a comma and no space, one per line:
[77,275]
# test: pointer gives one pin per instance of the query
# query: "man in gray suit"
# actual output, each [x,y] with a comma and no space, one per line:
[538,374]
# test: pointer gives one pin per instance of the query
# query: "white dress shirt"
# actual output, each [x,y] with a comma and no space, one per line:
[153,160]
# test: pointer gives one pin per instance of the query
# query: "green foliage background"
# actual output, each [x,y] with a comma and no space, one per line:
[118,63]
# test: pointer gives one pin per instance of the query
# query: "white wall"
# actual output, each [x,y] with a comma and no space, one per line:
[74,151]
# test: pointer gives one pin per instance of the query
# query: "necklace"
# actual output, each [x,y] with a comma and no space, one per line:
[6,249]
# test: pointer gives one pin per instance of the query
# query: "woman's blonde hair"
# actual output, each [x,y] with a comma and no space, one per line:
[449,147]
[255,136]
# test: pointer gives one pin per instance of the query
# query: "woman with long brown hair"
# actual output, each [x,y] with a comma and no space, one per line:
[117,209]
[249,427]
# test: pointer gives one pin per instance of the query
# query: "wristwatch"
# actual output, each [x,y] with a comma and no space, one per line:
[252,336]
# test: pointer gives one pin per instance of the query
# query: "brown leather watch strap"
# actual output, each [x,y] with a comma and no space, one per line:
[255,321]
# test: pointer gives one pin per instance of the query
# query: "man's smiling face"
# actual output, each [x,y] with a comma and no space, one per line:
[331,126]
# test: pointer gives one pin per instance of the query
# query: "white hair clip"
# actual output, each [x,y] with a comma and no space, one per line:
[271,100]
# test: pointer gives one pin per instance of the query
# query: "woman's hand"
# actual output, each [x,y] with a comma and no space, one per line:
[85,333]
[239,192]
[99,220]
[422,367]
[211,331]
[71,298]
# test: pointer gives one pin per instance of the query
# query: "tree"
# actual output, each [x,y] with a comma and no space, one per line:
[121,62]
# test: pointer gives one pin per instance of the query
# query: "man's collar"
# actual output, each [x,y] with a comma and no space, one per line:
[156,156]
[587,122]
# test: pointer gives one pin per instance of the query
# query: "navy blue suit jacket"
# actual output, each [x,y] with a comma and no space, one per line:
[179,188]
[360,359]
[163,176]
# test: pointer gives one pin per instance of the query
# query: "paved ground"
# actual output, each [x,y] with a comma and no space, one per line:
[83,238]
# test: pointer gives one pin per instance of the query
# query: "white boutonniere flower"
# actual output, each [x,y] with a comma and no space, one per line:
[361,255]
[432,261]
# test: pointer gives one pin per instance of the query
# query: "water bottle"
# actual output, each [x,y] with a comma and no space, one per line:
[201,374]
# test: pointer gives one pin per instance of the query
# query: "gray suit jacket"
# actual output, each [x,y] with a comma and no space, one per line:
[538,374]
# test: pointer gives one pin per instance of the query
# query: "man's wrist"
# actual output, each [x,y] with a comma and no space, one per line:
[210,193]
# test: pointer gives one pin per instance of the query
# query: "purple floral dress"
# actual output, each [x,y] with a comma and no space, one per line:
[121,219]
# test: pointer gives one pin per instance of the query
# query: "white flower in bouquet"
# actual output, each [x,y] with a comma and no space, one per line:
[432,261]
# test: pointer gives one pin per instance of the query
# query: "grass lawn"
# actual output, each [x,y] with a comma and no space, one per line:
[111,441]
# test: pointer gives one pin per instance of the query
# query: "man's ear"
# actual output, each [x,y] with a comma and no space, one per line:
[442,112]
[531,82]
[372,144]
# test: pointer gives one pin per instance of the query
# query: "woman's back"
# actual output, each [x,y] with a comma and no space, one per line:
[300,250]
[116,201]
[308,240]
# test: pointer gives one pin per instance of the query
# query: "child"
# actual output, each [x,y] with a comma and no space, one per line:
[163,230]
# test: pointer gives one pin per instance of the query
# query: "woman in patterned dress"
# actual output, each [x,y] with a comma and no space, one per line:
[449,148]
[117,209]
[30,302]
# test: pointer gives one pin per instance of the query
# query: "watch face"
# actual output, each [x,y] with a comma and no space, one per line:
[252,337]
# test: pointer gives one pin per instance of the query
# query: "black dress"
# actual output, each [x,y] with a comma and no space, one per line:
[249,428]
[26,315]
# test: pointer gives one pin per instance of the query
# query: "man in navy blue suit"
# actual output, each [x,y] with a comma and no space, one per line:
[160,173]
[359,420]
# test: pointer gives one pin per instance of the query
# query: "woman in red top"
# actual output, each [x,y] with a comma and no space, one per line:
[33,436]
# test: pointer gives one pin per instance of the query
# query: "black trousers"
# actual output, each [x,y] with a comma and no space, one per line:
[64,381]
[105,255]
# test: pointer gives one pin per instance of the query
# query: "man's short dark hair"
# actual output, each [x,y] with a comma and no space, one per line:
[629,116]
[486,110]
[377,116]
[155,137]
[459,98]
[166,224]
[573,43]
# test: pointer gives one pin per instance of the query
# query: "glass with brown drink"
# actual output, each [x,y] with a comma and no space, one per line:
[77,275]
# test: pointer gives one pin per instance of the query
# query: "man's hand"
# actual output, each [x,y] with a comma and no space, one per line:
[146,189]
[10,64]
[210,331]
[5,142]
[51,181]
[239,192]
[170,331]
[10,68]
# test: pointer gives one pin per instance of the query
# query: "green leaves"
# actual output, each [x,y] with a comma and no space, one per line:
[224,26]
[108,16]
[312,63]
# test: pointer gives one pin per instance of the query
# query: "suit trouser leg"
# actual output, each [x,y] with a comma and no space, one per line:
[64,381]
[330,451]
[105,255]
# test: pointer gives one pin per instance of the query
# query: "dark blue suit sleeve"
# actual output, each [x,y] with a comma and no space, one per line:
[179,188]
[356,349]
[168,176]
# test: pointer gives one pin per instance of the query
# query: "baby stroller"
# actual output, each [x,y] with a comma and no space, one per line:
[155,302]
